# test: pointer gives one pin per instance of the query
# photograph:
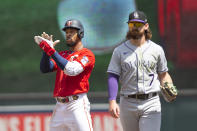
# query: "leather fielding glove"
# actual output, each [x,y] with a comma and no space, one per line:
[169,92]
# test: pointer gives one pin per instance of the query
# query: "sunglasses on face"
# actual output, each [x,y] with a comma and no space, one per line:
[136,24]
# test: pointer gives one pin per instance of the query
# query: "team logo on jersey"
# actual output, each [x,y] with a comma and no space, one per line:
[84,60]
[125,53]
[73,57]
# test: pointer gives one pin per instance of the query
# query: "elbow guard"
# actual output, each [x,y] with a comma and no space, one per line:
[73,68]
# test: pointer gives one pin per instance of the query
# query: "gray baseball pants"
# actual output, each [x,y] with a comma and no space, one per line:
[140,115]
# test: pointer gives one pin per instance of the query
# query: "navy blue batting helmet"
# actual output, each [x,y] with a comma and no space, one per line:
[76,24]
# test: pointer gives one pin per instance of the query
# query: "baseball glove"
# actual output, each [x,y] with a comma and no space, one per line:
[169,91]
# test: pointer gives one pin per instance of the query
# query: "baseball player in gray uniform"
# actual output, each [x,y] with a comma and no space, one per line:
[140,66]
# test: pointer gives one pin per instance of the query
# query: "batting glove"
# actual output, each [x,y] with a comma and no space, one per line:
[45,45]
[39,39]
[50,38]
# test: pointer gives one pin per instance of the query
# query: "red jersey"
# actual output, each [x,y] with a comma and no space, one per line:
[66,85]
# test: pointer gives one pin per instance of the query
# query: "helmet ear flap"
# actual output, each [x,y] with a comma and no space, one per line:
[80,34]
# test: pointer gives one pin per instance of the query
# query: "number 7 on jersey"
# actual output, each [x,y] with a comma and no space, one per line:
[151,75]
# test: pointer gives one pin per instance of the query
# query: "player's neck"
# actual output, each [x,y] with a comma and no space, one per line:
[138,42]
[77,47]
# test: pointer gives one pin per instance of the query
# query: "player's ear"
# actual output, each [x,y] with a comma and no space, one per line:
[146,26]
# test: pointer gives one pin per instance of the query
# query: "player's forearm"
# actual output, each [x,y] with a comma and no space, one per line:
[61,62]
[165,77]
[112,86]
[45,64]
[70,68]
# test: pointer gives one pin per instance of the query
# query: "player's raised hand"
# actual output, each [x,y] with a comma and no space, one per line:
[114,109]
[45,45]
[50,38]
[39,39]
[46,36]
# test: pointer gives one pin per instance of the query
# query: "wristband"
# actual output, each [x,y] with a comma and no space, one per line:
[46,48]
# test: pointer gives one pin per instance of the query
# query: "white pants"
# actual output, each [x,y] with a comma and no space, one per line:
[72,116]
[140,115]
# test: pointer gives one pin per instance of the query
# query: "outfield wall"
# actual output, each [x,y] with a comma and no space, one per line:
[37,118]
[34,113]
[177,116]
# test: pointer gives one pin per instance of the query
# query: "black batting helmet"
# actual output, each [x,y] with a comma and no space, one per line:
[75,24]
[137,16]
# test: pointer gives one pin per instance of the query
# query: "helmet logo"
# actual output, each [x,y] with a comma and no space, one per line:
[69,23]
[136,15]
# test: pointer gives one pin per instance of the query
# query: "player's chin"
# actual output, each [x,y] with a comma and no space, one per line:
[71,44]
[134,35]
[69,41]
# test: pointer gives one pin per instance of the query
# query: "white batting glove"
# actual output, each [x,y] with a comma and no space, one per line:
[50,38]
[39,39]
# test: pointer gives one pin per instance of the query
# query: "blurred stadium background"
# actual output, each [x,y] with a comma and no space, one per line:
[25,91]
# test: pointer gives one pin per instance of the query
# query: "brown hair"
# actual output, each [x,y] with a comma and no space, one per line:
[148,34]
[136,35]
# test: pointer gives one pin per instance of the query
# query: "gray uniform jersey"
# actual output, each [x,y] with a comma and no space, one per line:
[138,67]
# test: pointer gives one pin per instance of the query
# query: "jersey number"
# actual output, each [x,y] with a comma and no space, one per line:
[151,75]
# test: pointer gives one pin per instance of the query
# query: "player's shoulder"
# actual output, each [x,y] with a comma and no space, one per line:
[87,55]
[121,46]
[154,45]
[87,51]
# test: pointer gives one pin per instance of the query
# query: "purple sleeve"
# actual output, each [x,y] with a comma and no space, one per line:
[112,86]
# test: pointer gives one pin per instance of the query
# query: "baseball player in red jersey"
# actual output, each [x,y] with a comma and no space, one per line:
[73,68]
